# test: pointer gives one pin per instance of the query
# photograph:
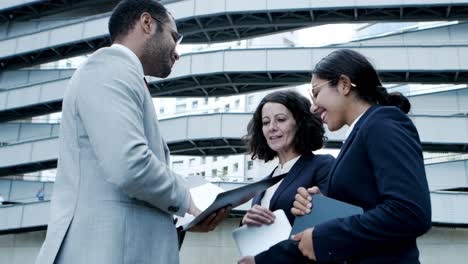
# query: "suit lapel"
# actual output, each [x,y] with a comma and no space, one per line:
[295,170]
[347,144]
[344,148]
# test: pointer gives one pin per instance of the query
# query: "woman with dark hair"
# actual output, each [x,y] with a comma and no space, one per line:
[380,168]
[283,126]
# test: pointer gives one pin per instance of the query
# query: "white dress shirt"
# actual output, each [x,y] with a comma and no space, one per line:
[351,127]
[279,170]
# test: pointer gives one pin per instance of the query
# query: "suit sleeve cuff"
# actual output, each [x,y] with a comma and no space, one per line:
[184,206]
[323,248]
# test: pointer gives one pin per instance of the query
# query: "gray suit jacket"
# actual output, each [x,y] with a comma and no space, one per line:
[114,195]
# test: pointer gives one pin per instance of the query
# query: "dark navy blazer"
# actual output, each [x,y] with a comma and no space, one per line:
[310,170]
[380,168]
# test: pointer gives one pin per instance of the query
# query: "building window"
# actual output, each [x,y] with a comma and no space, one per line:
[192,162]
[225,170]
[177,165]
[249,164]
[181,108]
[250,99]
[237,103]
[203,160]
[161,110]
[235,168]
[214,172]
[206,100]
[203,173]
[215,158]
[226,108]
[194,104]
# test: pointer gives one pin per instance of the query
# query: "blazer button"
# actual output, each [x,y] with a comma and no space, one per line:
[173,208]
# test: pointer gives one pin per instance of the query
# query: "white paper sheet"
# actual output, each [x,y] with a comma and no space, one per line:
[253,240]
[203,196]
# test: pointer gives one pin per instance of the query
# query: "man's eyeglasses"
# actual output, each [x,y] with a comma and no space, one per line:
[178,37]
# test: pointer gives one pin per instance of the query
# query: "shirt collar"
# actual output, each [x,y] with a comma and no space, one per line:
[351,127]
[287,165]
[132,56]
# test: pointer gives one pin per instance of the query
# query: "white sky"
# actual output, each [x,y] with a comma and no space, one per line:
[325,35]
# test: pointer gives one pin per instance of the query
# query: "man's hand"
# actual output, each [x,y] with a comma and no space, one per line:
[306,245]
[246,260]
[210,223]
[303,200]
[257,216]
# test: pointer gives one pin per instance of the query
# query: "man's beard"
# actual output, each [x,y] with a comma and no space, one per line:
[156,58]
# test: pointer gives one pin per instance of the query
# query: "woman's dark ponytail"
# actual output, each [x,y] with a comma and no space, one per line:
[382,95]
[394,99]
[399,100]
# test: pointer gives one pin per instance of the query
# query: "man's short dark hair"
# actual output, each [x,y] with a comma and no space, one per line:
[310,133]
[127,12]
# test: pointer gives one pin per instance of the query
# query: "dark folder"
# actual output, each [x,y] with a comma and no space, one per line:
[324,209]
[235,198]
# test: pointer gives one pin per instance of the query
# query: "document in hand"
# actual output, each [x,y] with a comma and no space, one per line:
[252,240]
[324,209]
[234,198]
[203,195]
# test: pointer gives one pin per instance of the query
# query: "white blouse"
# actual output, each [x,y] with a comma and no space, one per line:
[279,170]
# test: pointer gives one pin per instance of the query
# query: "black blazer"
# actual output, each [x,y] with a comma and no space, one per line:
[380,168]
[310,170]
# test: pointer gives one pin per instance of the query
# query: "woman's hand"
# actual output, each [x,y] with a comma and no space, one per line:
[257,216]
[306,244]
[303,200]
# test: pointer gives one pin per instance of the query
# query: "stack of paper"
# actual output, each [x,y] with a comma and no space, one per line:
[252,240]
[203,195]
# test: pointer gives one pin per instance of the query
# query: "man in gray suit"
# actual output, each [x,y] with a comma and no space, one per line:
[114,196]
